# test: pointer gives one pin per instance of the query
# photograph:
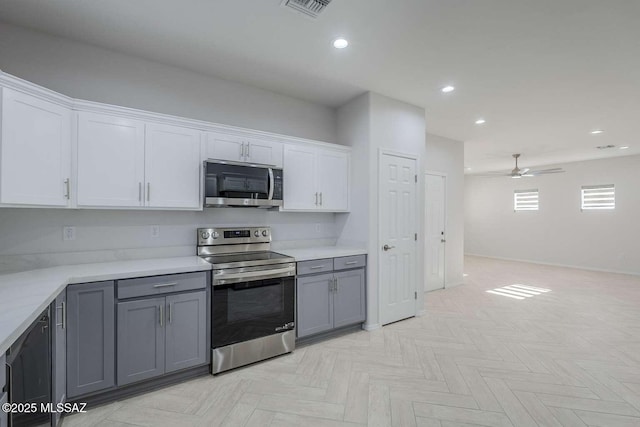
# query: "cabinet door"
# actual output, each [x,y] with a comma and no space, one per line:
[90,338]
[225,147]
[349,298]
[299,177]
[110,161]
[314,304]
[264,152]
[59,353]
[186,332]
[140,339]
[35,156]
[172,167]
[333,180]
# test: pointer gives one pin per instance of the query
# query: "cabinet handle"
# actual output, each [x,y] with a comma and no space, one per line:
[170,312]
[331,285]
[335,281]
[67,195]
[248,152]
[164,285]
[351,263]
[161,315]
[241,151]
[139,191]
[63,307]
[148,191]
[315,267]
[320,198]
[316,199]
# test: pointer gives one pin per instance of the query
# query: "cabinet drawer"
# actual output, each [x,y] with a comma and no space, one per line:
[315,266]
[346,262]
[156,285]
[3,371]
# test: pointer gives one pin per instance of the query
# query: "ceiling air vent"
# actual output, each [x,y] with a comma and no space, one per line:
[311,8]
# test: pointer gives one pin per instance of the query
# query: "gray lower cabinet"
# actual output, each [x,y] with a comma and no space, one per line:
[90,338]
[59,353]
[4,419]
[349,298]
[328,301]
[314,304]
[140,340]
[186,332]
[161,335]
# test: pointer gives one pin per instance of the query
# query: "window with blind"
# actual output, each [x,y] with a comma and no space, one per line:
[598,197]
[525,200]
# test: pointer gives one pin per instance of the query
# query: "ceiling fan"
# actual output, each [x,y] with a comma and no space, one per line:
[519,173]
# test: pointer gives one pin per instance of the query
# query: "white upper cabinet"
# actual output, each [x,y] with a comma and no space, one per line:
[172,167]
[235,148]
[225,147]
[299,178]
[110,161]
[315,179]
[333,180]
[35,151]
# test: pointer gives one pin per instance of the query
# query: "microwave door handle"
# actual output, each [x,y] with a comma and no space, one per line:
[271,184]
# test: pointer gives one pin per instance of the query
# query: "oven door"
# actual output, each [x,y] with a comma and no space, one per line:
[246,310]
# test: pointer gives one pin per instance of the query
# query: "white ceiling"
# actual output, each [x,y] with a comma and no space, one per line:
[543,73]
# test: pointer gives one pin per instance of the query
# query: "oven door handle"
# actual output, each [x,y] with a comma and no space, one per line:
[272,184]
[249,276]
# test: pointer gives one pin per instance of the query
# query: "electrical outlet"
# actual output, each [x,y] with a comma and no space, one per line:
[68,233]
[155,231]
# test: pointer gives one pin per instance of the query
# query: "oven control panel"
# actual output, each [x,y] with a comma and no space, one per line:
[231,236]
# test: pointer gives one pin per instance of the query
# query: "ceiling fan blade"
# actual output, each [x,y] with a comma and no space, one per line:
[524,171]
[491,175]
[546,171]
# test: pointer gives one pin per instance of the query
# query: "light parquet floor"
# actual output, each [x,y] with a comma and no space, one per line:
[569,357]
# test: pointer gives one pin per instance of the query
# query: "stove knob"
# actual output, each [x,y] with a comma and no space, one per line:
[215,235]
[204,235]
[256,233]
[265,233]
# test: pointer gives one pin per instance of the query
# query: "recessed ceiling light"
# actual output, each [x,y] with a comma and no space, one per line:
[340,43]
[467,168]
[481,121]
[624,147]
[448,89]
[597,131]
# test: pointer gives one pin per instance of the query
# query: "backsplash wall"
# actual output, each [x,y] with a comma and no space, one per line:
[32,238]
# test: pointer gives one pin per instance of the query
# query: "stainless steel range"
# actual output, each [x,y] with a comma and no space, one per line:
[252,303]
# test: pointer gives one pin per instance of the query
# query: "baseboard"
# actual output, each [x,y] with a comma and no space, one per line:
[371,326]
[553,264]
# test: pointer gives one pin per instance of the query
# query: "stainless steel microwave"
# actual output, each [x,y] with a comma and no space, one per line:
[241,184]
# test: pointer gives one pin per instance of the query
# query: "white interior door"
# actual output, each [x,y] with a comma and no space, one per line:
[435,238]
[397,231]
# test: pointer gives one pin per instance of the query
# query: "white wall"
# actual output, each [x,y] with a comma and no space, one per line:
[559,233]
[32,238]
[447,156]
[88,72]
[369,123]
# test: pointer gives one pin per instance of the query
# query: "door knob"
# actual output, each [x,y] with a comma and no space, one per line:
[387,247]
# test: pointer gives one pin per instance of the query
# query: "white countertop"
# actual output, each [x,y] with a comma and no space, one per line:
[320,252]
[23,296]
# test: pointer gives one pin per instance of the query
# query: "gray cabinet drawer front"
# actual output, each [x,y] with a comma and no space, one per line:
[3,372]
[315,266]
[157,285]
[347,262]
